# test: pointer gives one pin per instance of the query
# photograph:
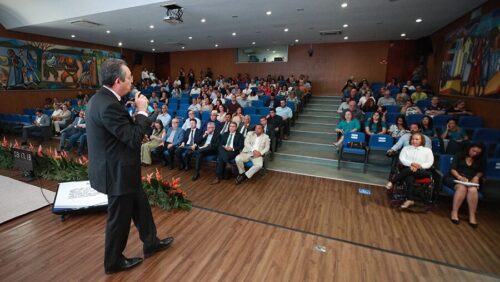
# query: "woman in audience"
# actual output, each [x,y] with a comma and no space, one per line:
[238,115]
[468,166]
[428,127]
[164,97]
[393,83]
[399,128]
[403,97]
[416,159]
[195,90]
[206,106]
[382,110]
[221,109]
[369,105]
[283,91]
[195,107]
[366,96]
[375,125]
[410,109]
[455,135]
[350,124]
[253,96]
[176,92]
[152,142]
[459,109]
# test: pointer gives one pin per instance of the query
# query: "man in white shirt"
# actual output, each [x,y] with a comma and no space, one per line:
[286,114]
[256,146]
[164,116]
[144,75]
[191,115]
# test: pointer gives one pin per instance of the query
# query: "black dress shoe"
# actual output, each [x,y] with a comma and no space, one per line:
[240,178]
[162,245]
[126,264]
[196,176]
[455,221]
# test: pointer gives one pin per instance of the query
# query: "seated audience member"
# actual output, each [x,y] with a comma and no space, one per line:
[153,141]
[386,100]
[164,116]
[405,140]
[356,112]
[243,101]
[73,132]
[230,146]
[206,105]
[207,146]
[435,108]
[403,97]
[426,87]
[343,107]
[375,125]
[154,114]
[382,110]
[393,83]
[60,119]
[192,138]
[221,116]
[354,95]
[244,127]
[154,98]
[370,106]
[286,114]
[416,160]
[41,123]
[410,109]
[238,116]
[164,97]
[272,103]
[212,118]
[225,125]
[276,122]
[455,135]
[253,97]
[350,124]
[233,105]
[367,96]
[399,128]
[269,131]
[195,107]
[283,92]
[409,85]
[257,144]
[187,123]
[418,94]
[299,93]
[467,166]
[173,138]
[459,109]
[82,143]
[78,107]
[428,127]
[195,90]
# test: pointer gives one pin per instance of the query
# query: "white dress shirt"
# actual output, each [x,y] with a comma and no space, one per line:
[420,155]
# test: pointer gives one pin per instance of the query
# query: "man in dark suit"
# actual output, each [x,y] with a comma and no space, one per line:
[276,122]
[213,118]
[245,126]
[192,138]
[269,131]
[208,146]
[225,125]
[114,143]
[73,132]
[272,103]
[230,146]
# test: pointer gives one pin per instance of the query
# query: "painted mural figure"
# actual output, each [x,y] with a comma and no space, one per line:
[86,77]
[16,66]
[71,66]
[30,74]
[50,67]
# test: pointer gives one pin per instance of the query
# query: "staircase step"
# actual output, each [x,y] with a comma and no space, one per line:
[322,107]
[317,112]
[304,126]
[308,149]
[331,120]
[312,137]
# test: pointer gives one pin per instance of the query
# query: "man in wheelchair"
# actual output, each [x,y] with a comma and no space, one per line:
[414,170]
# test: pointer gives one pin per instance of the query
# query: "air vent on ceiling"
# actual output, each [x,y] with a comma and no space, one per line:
[84,23]
[330,32]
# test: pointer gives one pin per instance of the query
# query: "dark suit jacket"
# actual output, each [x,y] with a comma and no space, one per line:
[238,142]
[276,103]
[217,125]
[198,136]
[249,128]
[214,143]
[114,144]
[275,121]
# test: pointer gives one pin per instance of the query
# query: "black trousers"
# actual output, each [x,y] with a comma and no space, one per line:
[408,177]
[224,157]
[122,209]
[200,154]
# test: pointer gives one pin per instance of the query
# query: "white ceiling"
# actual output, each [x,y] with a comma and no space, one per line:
[129,21]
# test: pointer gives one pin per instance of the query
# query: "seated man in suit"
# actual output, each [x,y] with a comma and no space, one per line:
[269,131]
[286,114]
[208,146]
[82,144]
[173,138]
[256,146]
[225,125]
[276,122]
[230,146]
[41,123]
[213,119]
[271,103]
[192,137]
[245,126]
[73,132]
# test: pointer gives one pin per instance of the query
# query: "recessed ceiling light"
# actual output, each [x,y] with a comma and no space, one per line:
[108,31]
[151,26]
[296,41]
[269,13]
[216,45]
[203,20]
[274,51]
[346,37]
[120,44]
[403,34]
[419,20]
[285,30]
[190,37]
[73,36]
[344,5]
[152,41]
[345,25]
[183,47]
[153,49]
[253,43]
[233,34]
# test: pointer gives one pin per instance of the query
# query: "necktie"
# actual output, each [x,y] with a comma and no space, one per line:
[191,138]
[229,139]
[224,129]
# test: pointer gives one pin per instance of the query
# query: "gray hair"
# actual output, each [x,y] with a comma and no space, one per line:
[111,69]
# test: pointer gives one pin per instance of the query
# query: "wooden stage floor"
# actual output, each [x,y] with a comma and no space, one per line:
[265,230]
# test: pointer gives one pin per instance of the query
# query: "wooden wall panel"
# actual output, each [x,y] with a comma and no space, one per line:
[402,59]
[328,68]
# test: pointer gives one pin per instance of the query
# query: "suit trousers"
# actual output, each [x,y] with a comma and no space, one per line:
[200,154]
[122,209]
[242,158]
[30,129]
[184,156]
[223,157]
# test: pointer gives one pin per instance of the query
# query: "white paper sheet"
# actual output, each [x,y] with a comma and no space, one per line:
[466,183]
[77,195]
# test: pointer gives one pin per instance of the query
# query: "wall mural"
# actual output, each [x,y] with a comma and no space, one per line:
[39,65]
[471,66]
